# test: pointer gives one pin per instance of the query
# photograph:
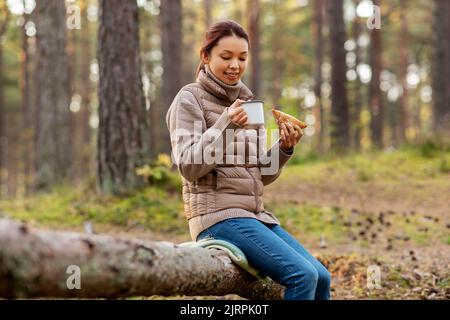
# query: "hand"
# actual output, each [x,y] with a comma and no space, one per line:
[237,113]
[290,135]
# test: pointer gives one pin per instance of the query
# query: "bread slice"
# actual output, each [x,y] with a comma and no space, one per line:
[282,117]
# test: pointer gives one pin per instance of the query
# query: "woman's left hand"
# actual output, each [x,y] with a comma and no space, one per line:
[290,135]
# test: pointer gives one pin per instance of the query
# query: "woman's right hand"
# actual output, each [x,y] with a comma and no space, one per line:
[237,113]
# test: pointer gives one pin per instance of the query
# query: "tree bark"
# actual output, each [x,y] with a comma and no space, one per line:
[189,64]
[404,116]
[53,157]
[317,30]
[123,128]
[86,93]
[171,39]
[27,134]
[73,55]
[82,131]
[149,44]
[237,11]
[34,263]
[13,154]
[375,99]
[208,4]
[254,11]
[278,53]
[441,68]
[339,103]
[357,126]
[3,140]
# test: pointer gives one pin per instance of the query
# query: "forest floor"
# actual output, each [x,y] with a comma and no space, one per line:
[385,211]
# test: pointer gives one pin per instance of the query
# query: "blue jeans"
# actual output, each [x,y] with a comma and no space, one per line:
[277,254]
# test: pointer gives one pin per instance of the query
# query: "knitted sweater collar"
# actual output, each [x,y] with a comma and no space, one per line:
[220,89]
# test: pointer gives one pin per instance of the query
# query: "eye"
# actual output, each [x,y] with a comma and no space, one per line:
[227,58]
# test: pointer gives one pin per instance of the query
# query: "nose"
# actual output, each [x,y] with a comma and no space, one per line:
[234,64]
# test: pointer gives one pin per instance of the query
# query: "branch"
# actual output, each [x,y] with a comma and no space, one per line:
[33,263]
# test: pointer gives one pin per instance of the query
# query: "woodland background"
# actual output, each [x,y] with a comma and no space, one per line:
[85,86]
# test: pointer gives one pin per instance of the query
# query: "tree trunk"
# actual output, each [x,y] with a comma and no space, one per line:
[84,53]
[38,263]
[150,43]
[86,92]
[237,11]
[171,39]
[254,11]
[208,12]
[53,142]
[27,135]
[375,99]
[447,74]
[74,56]
[3,140]
[2,127]
[441,68]
[13,153]
[154,114]
[123,128]
[339,104]
[317,30]
[404,115]
[189,64]
[357,125]
[278,63]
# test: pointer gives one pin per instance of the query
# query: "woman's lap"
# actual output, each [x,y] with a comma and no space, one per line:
[268,248]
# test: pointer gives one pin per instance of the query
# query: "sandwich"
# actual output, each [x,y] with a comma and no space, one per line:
[282,117]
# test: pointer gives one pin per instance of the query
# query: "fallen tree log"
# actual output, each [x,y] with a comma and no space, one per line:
[42,263]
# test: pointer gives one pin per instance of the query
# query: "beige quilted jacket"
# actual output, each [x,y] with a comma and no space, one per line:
[224,168]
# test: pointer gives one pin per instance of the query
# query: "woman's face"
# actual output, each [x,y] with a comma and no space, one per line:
[228,59]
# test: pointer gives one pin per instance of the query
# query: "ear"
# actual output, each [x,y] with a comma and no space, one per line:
[205,58]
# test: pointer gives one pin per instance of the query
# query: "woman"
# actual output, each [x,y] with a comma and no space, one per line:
[223,197]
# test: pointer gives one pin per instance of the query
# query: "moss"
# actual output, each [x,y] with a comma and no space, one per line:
[385,166]
[395,275]
[312,222]
[149,207]
[444,283]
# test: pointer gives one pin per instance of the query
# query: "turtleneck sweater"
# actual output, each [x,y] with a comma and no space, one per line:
[221,90]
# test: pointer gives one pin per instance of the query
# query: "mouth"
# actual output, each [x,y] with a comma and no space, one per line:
[231,75]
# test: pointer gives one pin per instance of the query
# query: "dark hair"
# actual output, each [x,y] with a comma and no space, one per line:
[216,32]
